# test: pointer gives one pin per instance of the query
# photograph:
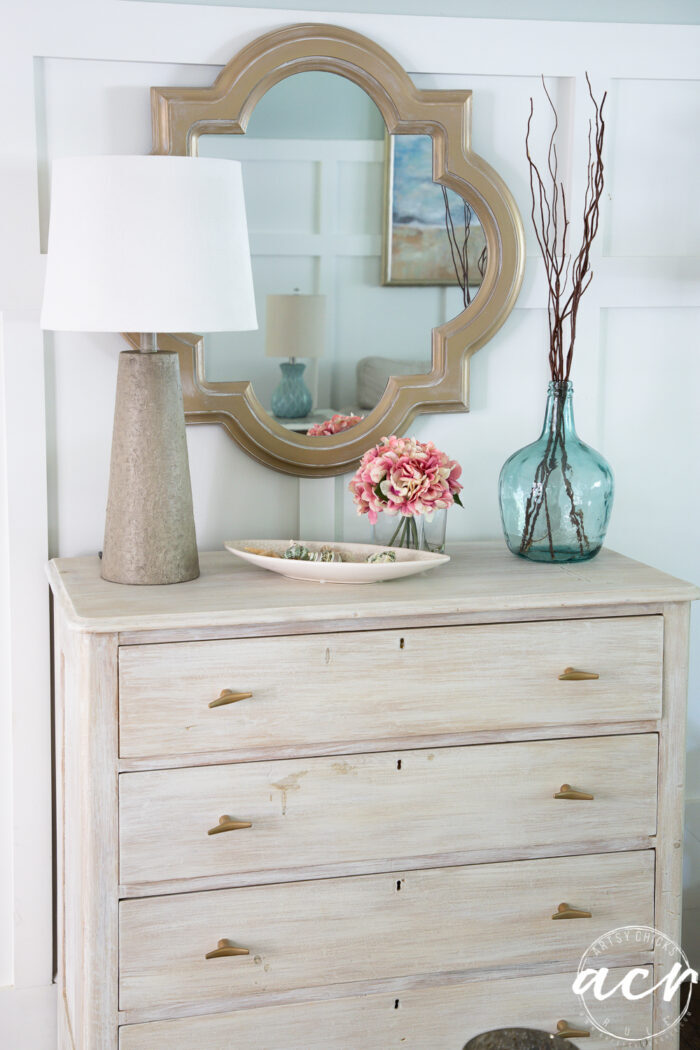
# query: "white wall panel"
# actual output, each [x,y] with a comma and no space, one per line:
[284,201]
[654,160]
[233,496]
[6,792]
[651,379]
[360,195]
[99,107]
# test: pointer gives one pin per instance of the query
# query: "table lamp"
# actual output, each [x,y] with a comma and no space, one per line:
[148,244]
[294,327]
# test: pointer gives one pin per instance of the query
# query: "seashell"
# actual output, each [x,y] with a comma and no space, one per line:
[298,552]
[382,556]
[326,554]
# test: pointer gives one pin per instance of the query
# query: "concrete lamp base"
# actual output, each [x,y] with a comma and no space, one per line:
[149,531]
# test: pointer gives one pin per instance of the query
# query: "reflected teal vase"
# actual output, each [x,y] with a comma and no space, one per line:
[292,398]
[556,495]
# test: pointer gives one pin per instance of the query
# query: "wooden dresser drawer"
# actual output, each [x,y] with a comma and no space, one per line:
[442,1017]
[340,931]
[392,809]
[316,692]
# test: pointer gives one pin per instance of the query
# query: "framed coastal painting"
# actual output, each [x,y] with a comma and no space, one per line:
[416,247]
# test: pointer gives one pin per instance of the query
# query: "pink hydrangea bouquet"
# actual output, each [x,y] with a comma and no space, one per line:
[335,425]
[407,477]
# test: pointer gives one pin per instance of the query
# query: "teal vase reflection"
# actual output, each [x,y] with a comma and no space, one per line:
[556,494]
[292,398]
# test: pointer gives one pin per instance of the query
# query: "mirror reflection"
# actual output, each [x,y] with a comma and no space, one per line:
[355,255]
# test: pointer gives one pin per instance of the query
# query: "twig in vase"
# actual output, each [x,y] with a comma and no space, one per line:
[567,279]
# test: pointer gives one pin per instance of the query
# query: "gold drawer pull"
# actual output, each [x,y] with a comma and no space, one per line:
[564,911]
[226,824]
[565,1031]
[572,675]
[568,792]
[228,697]
[225,948]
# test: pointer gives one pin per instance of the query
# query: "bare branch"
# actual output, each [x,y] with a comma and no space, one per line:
[460,252]
[568,276]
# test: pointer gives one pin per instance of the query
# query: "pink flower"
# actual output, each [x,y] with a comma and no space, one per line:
[334,425]
[405,476]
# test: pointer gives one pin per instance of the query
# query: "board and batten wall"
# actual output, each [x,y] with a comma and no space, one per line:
[77,79]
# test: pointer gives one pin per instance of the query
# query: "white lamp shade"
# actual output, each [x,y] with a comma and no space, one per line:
[148,244]
[295,325]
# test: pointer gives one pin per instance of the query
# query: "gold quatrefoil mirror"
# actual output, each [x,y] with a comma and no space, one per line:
[364,202]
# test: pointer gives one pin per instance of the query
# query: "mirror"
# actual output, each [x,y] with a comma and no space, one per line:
[342,215]
[379,267]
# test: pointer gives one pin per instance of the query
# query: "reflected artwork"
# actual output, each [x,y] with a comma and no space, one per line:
[430,233]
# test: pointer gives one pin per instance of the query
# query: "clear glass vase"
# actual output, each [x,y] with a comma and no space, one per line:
[415,532]
[556,495]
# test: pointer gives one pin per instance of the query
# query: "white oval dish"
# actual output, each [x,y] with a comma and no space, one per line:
[408,562]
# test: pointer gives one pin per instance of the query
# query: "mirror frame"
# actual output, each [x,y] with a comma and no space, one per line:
[182,115]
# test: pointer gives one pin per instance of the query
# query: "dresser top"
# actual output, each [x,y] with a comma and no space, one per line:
[482,579]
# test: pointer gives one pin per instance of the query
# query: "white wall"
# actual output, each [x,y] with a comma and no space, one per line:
[79,73]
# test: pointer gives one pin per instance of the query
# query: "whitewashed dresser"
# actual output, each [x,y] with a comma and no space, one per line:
[303,817]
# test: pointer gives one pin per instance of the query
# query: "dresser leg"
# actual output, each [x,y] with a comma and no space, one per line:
[669,830]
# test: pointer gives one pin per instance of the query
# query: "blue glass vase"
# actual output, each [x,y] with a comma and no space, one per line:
[292,398]
[556,495]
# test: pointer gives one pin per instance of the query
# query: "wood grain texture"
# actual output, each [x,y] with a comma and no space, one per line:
[374,927]
[69,860]
[87,801]
[391,621]
[348,747]
[384,808]
[442,1016]
[480,578]
[669,867]
[63,806]
[313,690]
[64,1036]
[97,910]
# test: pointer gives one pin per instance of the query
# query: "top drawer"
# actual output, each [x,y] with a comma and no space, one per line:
[325,691]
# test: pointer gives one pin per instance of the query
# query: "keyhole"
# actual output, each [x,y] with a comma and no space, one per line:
[398,885]
[398,764]
[401,643]
[396,1004]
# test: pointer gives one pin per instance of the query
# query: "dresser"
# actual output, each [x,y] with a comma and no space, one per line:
[311,817]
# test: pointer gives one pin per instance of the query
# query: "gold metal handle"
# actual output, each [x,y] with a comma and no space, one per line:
[226,824]
[565,1031]
[227,696]
[565,911]
[572,675]
[568,792]
[225,948]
